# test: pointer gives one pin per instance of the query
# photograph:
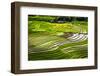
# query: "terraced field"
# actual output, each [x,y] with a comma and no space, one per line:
[52,41]
[52,47]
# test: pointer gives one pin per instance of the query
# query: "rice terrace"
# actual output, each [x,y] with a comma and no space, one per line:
[57,37]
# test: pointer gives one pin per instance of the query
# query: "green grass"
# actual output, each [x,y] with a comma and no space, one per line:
[43,34]
[39,42]
[71,53]
[57,27]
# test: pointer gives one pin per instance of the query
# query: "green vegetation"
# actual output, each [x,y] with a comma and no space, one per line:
[50,37]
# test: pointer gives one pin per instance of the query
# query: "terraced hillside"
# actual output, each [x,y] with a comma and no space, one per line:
[50,38]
